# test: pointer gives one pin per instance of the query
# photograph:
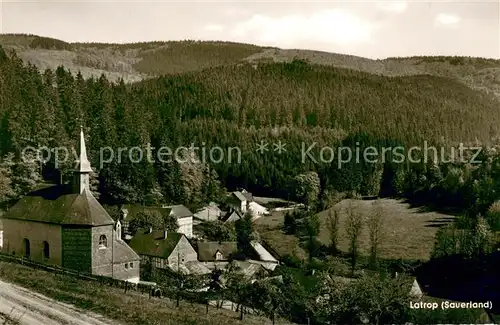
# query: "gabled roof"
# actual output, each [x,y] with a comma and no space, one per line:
[239,196]
[232,216]
[263,253]
[154,243]
[248,196]
[178,211]
[123,253]
[59,205]
[207,250]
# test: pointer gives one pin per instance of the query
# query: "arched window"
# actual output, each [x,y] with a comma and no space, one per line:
[46,250]
[103,241]
[27,248]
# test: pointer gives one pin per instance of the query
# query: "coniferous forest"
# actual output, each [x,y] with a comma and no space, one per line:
[298,103]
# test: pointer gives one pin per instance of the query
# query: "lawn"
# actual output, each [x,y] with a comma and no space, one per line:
[130,308]
[408,233]
[270,230]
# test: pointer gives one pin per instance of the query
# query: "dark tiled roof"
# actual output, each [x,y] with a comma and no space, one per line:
[207,250]
[123,253]
[58,205]
[154,243]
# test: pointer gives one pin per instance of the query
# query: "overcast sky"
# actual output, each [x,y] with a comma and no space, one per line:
[370,29]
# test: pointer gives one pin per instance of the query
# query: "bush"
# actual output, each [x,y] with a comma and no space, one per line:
[493,216]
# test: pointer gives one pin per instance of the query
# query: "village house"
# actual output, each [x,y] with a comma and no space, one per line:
[167,250]
[219,254]
[182,214]
[243,202]
[65,225]
[216,252]
[232,216]
[211,212]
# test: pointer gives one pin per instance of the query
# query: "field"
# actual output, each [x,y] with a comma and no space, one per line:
[407,233]
[130,308]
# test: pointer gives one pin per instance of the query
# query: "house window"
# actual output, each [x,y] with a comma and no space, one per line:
[157,262]
[27,248]
[131,265]
[46,250]
[218,256]
[103,242]
[126,265]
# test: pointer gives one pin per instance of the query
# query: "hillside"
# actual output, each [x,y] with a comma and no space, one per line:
[132,308]
[238,105]
[134,62]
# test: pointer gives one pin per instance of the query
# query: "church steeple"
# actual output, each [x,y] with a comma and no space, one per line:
[81,173]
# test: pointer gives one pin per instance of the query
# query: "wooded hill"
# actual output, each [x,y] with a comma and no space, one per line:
[137,61]
[230,103]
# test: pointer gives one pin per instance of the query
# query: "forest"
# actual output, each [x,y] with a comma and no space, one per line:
[238,106]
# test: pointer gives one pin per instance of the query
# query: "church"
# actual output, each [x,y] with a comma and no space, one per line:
[65,225]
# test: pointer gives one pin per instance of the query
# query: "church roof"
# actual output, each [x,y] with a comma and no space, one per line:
[60,205]
[83,162]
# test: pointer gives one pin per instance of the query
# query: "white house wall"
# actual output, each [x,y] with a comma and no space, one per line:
[185,226]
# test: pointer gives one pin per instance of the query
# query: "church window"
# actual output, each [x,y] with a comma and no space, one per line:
[103,241]
[27,248]
[46,250]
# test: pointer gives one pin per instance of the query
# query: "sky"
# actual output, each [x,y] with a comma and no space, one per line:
[374,29]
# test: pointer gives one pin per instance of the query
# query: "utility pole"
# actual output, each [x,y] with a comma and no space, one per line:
[179,284]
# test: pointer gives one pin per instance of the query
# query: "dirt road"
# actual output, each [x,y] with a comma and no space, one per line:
[25,307]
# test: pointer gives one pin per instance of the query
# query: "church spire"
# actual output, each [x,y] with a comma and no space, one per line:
[83,162]
[81,174]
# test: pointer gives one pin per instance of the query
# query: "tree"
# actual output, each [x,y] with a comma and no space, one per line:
[269,296]
[493,216]
[290,223]
[372,300]
[245,235]
[94,183]
[217,231]
[353,228]
[375,225]
[6,187]
[238,287]
[153,220]
[483,238]
[26,174]
[307,188]
[311,228]
[332,224]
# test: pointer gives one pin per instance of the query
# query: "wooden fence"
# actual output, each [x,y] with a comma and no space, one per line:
[103,280]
